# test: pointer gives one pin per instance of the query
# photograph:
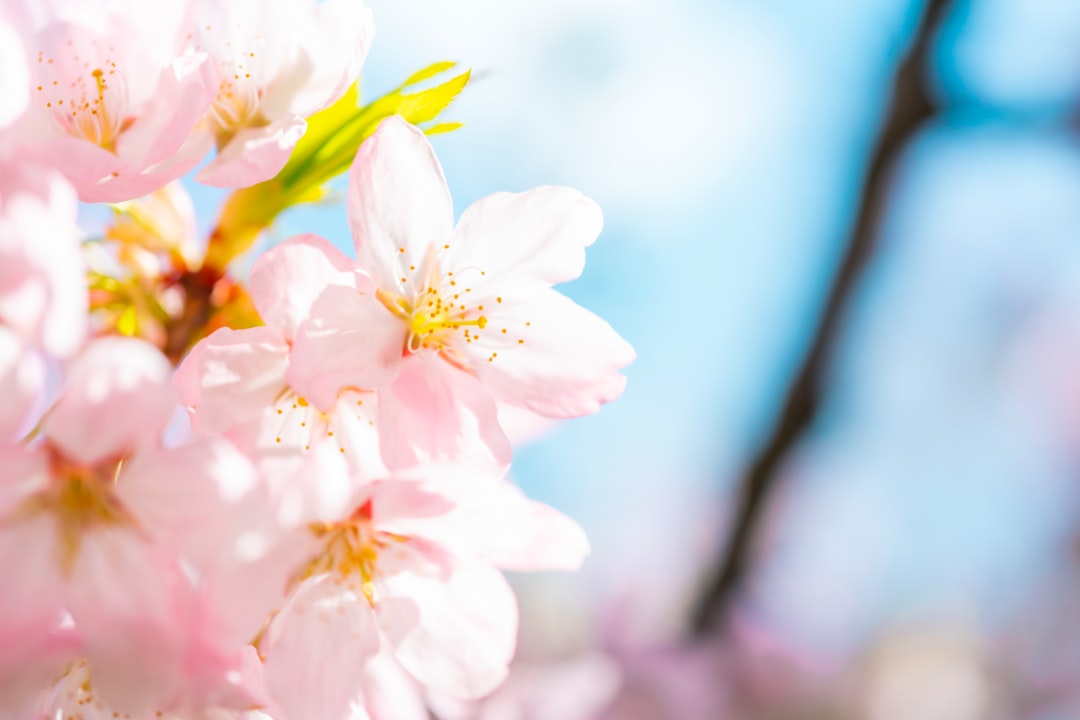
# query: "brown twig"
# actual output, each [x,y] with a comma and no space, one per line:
[909,108]
[198,288]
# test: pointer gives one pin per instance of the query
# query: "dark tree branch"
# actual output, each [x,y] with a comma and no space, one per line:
[910,106]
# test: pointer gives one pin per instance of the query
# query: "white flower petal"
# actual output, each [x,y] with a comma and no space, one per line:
[398,203]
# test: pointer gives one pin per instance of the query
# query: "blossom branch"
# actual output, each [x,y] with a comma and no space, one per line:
[909,108]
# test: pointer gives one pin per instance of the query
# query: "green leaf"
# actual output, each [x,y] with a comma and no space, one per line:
[335,155]
[326,151]
[427,73]
[442,128]
[128,322]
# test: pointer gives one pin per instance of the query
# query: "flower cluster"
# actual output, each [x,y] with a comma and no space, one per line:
[306,519]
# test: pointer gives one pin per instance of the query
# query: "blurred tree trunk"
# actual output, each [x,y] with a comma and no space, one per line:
[910,106]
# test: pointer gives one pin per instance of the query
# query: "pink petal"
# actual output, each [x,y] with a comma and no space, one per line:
[225,678]
[467,629]
[349,340]
[155,96]
[32,601]
[522,426]
[159,147]
[333,48]
[83,163]
[316,649]
[33,592]
[491,518]
[398,200]
[525,242]
[567,365]
[434,412]
[314,486]
[292,427]
[406,497]
[233,376]
[26,671]
[288,278]
[204,501]
[236,601]
[23,472]
[542,538]
[244,687]
[42,273]
[129,185]
[390,693]
[183,93]
[118,396]
[22,376]
[254,154]
[356,434]
[132,605]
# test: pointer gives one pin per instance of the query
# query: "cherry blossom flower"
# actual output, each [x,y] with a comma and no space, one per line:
[241,382]
[407,567]
[261,387]
[102,525]
[113,96]
[277,64]
[42,276]
[467,315]
[42,284]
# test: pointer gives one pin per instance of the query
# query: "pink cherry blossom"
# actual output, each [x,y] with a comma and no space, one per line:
[22,379]
[42,284]
[102,525]
[277,63]
[242,382]
[467,315]
[42,274]
[113,96]
[407,567]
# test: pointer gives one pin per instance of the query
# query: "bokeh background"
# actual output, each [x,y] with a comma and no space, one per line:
[917,559]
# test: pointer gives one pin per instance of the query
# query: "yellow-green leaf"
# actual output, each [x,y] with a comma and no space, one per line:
[427,73]
[128,322]
[327,150]
[442,128]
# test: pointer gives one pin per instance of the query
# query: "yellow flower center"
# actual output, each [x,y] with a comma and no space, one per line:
[350,551]
[437,315]
[300,425]
[236,107]
[93,104]
[80,499]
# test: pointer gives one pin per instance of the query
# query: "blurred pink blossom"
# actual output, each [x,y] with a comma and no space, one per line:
[42,284]
[407,566]
[126,538]
[114,95]
[277,63]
